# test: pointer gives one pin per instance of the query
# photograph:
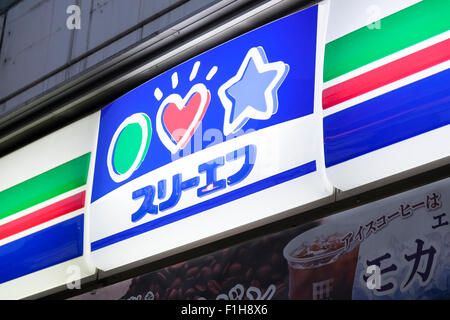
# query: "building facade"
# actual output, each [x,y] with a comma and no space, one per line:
[226,149]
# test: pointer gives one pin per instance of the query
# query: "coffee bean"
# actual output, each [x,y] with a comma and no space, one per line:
[281,287]
[281,292]
[276,276]
[225,269]
[155,287]
[225,253]
[166,292]
[209,259]
[166,272]
[217,269]
[200,288]
[214,287]
[249,274]
[242,253]
[255,244]
[173,294]
[229,282]
[192,272]
[235,268]
[176,283]
[255,283]
[189,282]
[190,292]
[175,269]
[275,259]
[161,277]
[263,271]
[206,272]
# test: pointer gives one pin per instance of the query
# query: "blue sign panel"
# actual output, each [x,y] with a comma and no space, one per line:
[237,85]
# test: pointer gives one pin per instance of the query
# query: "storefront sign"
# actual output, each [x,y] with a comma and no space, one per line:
[406,237]
[386,91]
[43,197]
[225,139]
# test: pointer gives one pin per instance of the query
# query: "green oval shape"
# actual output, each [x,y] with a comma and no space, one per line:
[127,148]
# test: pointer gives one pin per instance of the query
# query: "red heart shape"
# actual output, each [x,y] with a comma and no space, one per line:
[178,121]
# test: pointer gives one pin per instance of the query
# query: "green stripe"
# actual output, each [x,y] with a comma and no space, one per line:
[398,31]
[68,176]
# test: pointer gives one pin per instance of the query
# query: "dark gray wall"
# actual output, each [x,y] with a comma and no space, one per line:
[50,75]
[39,52]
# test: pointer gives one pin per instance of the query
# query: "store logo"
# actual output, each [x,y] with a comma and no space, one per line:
[230,128]
[250,94]
[129,146]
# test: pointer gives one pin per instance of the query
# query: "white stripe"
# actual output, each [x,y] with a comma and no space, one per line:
[174,80]
[41,205]
[392,57]
[194,70]
[42,226]
[211,73]
[158,94]
[389,87]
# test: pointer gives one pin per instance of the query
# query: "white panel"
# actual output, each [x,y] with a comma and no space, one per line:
[42,155]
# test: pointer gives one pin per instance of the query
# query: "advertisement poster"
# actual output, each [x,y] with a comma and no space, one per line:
[405,236]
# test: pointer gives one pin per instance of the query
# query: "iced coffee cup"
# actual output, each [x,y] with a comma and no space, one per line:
[320,267]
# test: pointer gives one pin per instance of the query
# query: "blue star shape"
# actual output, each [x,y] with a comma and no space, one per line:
[252,92]
[249,91]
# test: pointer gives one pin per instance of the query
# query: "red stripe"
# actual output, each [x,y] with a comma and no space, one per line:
[40,216]
[381,76]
